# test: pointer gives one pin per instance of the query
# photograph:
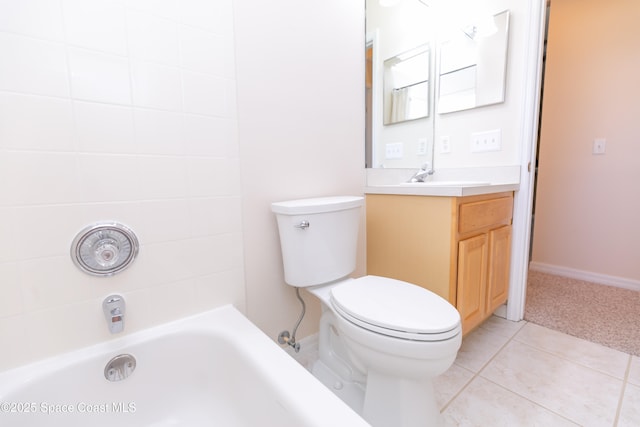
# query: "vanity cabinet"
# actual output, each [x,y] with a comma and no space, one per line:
[457,247]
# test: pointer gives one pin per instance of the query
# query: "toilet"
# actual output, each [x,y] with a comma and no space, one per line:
[381,341]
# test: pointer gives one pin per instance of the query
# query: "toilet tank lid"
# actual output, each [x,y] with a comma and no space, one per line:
[317,205]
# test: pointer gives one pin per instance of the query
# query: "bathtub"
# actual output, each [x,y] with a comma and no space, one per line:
[212,369]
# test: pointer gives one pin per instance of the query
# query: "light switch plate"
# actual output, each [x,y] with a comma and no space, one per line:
[394,150]
[445,144]
[486,141]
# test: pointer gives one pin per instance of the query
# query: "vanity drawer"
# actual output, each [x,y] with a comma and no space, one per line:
[485,214]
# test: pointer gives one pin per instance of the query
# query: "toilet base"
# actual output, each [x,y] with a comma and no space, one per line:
[351,393]
[393,402]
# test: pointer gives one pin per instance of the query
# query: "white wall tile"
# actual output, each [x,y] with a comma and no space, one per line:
[14,330]
[45,230]
[210,136]
[152,38]
[11,301]
[162,177]
[99,77]
[221,288]
[7,233]
[39,178]
[37,18]
[29,122]
[199,49]
[214,16]
[33,66]
[205,94]
[99,25]
[104,128]
[42,289]
[159,132]
[115,151]
[109,178]
[210,177]
[164,220]
[209,216]
[156,86]
[164,8]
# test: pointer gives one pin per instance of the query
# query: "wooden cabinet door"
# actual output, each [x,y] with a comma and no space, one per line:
[499,266]
[472,280]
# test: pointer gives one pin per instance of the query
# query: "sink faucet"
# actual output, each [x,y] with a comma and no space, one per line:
[114,308]
[422,174]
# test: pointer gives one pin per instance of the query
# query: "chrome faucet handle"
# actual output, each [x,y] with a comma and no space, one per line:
[113,307]
[422,173]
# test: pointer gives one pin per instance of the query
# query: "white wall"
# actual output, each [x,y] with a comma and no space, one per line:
[507,116]
[115,110]
[586,222]
[300,69]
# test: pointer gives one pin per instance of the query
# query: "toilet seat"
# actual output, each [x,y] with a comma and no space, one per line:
[396,308]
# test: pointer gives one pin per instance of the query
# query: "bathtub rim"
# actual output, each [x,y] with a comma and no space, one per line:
[316,404]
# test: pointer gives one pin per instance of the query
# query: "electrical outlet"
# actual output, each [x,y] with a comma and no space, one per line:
[422,147]
[445,144]
[394,150]
[486,141]
[599,145]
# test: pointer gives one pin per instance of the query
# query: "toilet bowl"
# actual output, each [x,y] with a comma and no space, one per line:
[388,336]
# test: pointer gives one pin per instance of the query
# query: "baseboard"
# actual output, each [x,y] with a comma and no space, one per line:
[587,276]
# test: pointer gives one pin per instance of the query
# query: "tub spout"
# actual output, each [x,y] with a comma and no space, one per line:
[114,308]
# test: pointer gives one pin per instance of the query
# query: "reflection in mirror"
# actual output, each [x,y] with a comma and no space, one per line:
[473,65]
[406,86]
[399,137]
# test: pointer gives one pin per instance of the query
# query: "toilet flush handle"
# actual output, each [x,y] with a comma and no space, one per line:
[304,224]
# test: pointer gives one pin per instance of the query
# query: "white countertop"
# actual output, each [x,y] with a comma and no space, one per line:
[445,182]
[441,190]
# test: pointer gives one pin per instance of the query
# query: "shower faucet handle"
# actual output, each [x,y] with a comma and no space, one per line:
[113,307]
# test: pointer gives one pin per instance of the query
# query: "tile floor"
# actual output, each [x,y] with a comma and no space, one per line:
[522,374]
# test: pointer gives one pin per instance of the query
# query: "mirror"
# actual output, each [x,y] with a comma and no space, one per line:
[399,89]
[467,70]
[406,86]
[473,65]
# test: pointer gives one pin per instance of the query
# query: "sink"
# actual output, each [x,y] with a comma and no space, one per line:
[444,184]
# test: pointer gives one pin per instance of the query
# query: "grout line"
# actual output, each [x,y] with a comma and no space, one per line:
[622,391]
[477,374]
[573,361]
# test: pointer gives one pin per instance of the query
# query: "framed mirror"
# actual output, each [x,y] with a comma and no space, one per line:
[473,64]
[399,89]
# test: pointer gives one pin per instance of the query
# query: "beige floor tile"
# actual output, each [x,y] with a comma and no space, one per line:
[634,372]
[484,403]
[585,353]
[630,411]
[479,347]
[583,395]
[449,384]
[500,326]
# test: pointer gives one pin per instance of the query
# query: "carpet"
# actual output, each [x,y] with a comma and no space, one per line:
[602,314]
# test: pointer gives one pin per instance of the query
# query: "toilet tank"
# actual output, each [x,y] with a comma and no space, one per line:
[318,238]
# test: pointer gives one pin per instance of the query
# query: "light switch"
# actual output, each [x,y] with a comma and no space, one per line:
[394,150]
[486,141]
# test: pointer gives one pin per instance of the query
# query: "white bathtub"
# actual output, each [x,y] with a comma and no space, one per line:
[213,369]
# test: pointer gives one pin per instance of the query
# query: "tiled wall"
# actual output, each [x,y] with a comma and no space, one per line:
[115,110]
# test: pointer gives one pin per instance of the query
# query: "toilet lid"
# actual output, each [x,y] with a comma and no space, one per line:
[396,308]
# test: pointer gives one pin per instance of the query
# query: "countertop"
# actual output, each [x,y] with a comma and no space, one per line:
[456,190]
[451,182]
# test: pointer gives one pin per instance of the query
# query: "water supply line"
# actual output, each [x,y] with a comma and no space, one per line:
[290,339]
